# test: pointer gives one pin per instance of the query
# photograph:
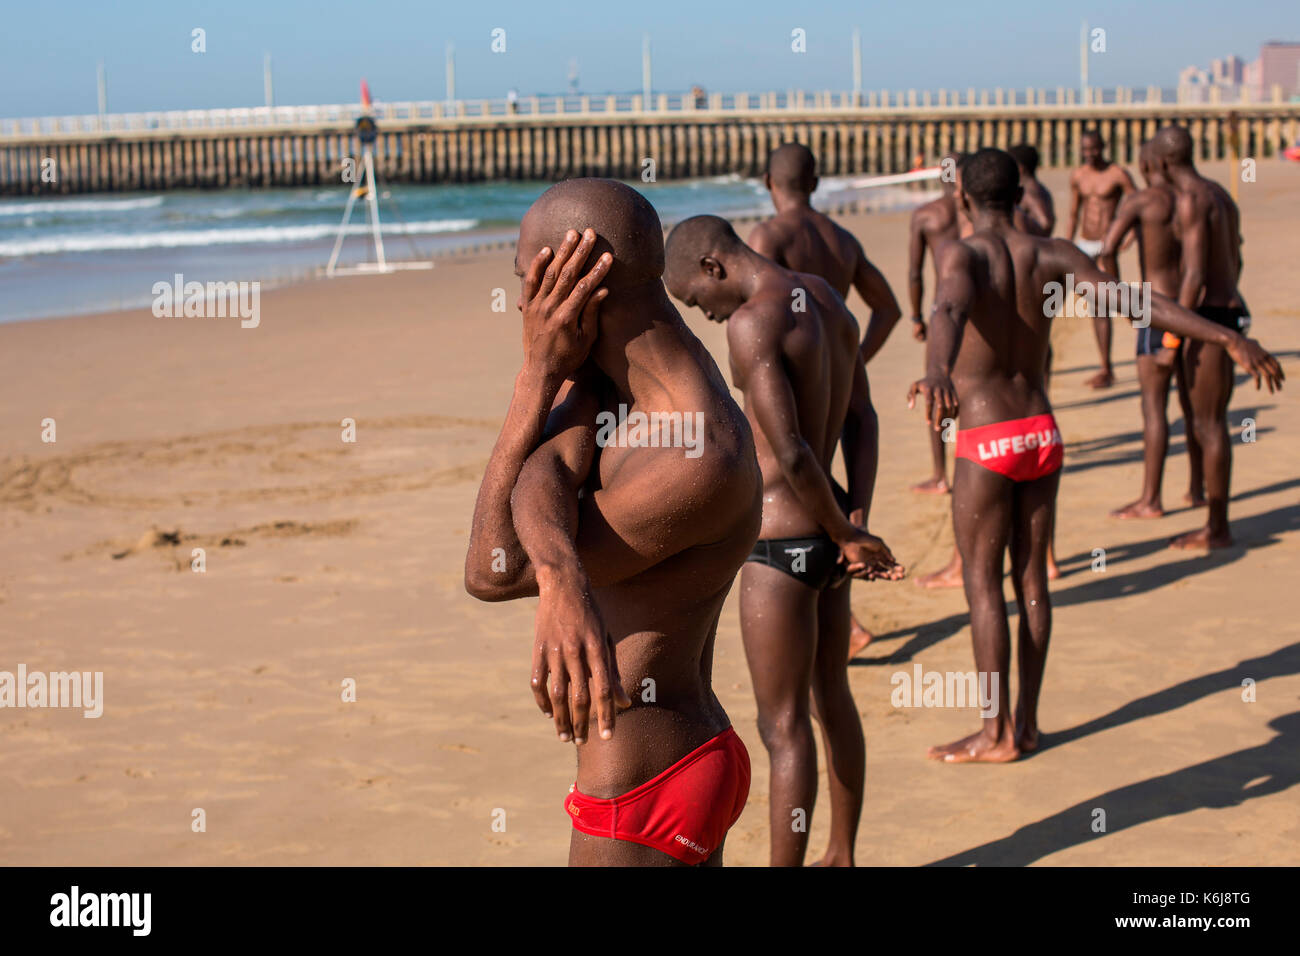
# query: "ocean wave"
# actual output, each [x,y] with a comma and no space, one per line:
[172,239]
[58,206]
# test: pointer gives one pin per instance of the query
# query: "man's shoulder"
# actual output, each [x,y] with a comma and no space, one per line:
[935,209]
[758,319]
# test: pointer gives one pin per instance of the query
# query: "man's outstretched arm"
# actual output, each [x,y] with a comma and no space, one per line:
[1169,316]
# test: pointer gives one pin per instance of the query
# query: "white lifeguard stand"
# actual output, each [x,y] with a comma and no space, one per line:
[367,130]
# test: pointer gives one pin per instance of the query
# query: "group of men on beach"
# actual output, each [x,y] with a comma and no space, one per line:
[631,546]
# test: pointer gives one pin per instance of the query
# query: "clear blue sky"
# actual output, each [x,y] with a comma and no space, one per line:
[320,49]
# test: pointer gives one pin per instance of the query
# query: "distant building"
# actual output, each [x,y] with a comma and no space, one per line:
[1278,65]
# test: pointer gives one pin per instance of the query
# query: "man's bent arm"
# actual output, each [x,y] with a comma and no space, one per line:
[860,443]
[1075,198]
[1196,250]
[1126,217]
[952,301]
[885,313]
[915,265]
[492,533]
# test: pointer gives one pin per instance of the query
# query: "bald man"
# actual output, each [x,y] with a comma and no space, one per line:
[793,353]
[800,238]
[624,493]
[1149,213]
[1096,189]
[1210,229]
[985,356]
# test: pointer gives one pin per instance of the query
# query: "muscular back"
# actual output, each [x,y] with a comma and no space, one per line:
[805,240]
[1006,274]
[796,370]
[1159,247]
[1205,209]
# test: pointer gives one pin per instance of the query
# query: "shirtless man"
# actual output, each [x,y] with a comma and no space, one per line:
[985,357]
[1037,210]
[1151,212]
[794,354]
[1096,188]
[937,222]
[630,537]
[804,240]
[1210,226]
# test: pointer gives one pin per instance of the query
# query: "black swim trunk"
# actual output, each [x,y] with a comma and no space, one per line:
[1229,316]
[813,561]
[1148,341]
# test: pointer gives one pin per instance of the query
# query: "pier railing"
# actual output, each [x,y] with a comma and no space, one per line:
[539,139]
[624,104]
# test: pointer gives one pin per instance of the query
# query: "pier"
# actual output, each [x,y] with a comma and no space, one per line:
[674,137]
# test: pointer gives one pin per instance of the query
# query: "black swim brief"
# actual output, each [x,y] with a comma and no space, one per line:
[814,561]
[1152,341]
[1229,316]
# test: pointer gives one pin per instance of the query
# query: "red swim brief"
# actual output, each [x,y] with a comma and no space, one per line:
[1022,450]
[684,811]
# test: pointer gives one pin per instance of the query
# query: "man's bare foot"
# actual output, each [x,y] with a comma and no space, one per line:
[832,859]
[1103,379]
[932,486]
[977,748]
[1139,509]
[1027,738]
[1201,540]
[859,637]
[1053,569]
[949,577]
[1194,499]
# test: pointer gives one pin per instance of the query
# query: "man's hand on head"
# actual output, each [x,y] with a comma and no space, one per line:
[561,306]
[574,663]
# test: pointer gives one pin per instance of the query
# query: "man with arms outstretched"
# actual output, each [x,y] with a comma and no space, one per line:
[985,356]
[1150,212]
[1096,188]
[793,353]
[624,492]
[804,240]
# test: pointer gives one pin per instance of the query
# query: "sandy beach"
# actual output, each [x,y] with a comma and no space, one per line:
[329,560]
